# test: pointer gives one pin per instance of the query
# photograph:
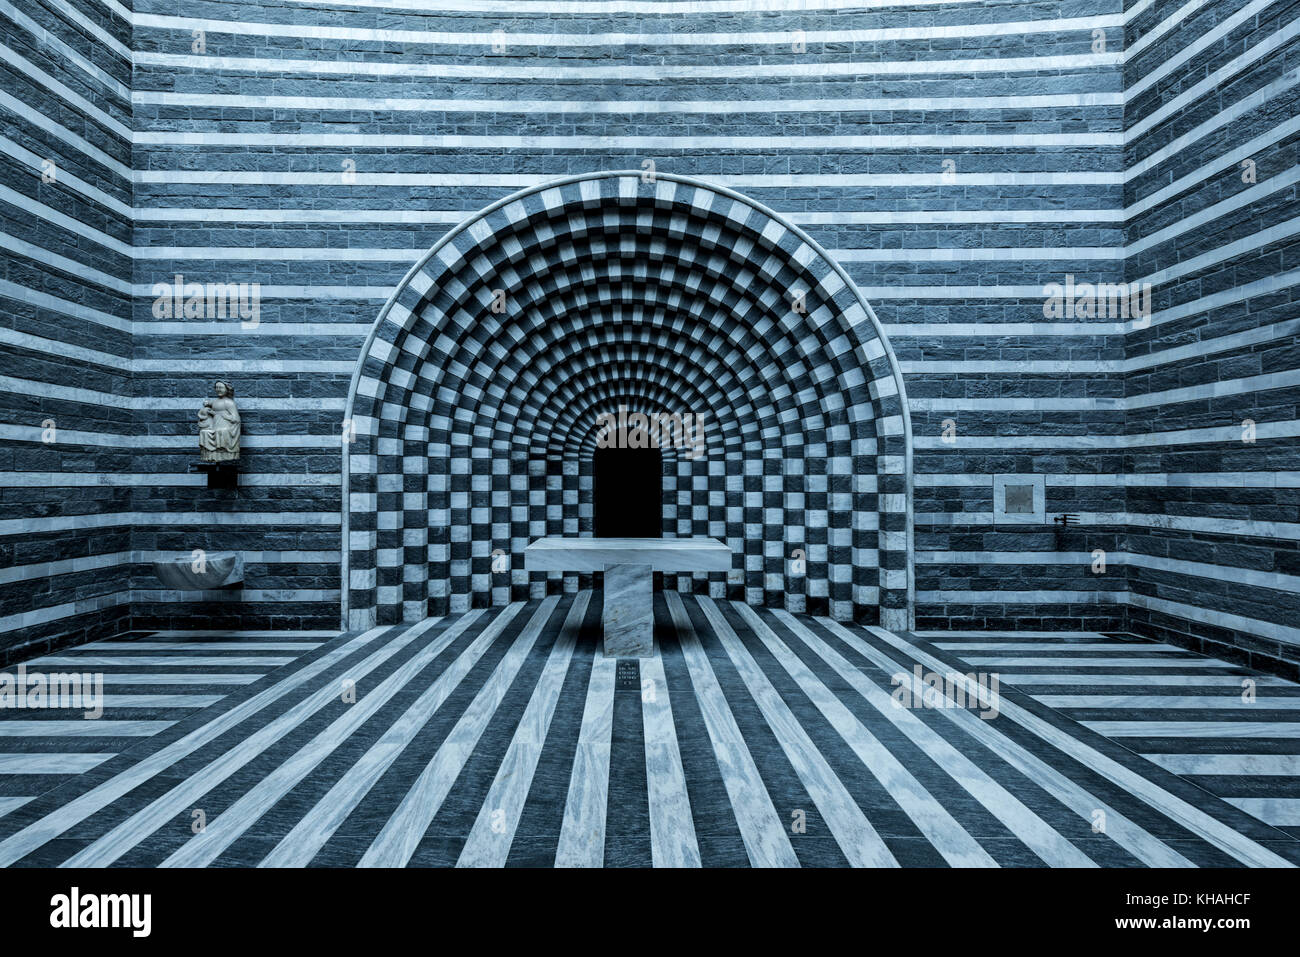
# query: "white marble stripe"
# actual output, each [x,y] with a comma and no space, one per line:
[1254,102]
[1135,839]
[271,291]
[1119,647]
[450,217]
[880,217]
[1194,819]
[225,828]
[62,350]
[168,678]
[81,728]
[1039,836]
[401,834]
[1244,576]
[199,645]
[486,845]
[182,140]
[148,819]
[1280,812]
[45,762]
[909,330]
[1201,217]
[1192,393]
[160,700]
[267,327]
[672,829]
[1119,679]
[861,844]
[481,39]
[10,802]
[151,661]
[354,293]
[30,160]
[1113,661]
[406,256]
[931,818]
[50,39]
[454,181]
[1230,701]
[582,830]
[1247,765]
[1188,523]
[1048,637]
[1207,616]
[78,102]
[68,566]
[1263,478]
[1168,275]
[173,479]
[585,106]
[314,829]
[297,636]
[761,827]
[91,28]
[1215,79]
[1189,48]
[1273,728]
[44,258]
[52,216]
[178,518]
[63,819]
[587,7]
[66,307]
[903,292]
[1135,10]
[41,616]
[1184,184]
[118,9]
[867,66]
[1279,429]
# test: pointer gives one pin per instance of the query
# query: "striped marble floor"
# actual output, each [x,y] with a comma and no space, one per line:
[753,737]
[1232,732]
[149,684]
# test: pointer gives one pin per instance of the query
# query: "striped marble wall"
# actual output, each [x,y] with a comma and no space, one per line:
[1213,384]
[66,476]
[956,157]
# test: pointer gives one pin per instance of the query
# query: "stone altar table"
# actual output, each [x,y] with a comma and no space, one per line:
[629,565]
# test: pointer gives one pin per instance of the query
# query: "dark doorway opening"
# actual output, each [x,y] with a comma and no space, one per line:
[627,493]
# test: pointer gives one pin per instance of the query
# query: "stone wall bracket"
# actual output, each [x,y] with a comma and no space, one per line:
[220,474]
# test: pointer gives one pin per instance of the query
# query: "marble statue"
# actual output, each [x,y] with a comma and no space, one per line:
[219,425]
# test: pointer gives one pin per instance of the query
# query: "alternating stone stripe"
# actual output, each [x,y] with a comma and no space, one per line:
[767,738]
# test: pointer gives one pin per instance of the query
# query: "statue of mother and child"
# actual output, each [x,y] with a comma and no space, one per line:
[219,426]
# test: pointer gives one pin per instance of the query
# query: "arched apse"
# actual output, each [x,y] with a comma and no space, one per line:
[474,407]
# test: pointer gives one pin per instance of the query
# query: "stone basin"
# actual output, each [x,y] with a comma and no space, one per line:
[219,570]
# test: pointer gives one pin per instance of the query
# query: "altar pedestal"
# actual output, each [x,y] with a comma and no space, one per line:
[628,615]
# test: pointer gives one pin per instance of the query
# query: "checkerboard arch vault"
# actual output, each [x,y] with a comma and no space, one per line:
[473,409]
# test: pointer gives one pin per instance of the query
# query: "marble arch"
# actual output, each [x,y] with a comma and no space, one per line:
[472,429]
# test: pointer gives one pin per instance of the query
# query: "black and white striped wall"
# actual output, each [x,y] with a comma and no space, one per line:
[68,432]
[953,157]
[1213,383]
